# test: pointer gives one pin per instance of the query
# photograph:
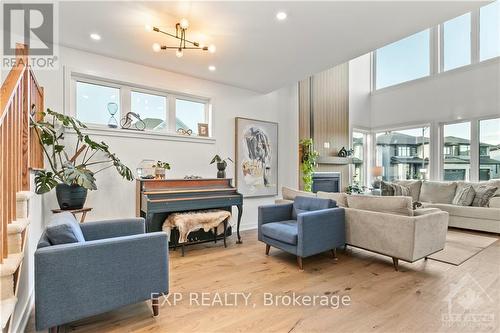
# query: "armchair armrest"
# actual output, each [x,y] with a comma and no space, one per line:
[320,231]
[77,280]
[112,228]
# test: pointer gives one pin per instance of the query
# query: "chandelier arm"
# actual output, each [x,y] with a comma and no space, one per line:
[184,48]
[177,37]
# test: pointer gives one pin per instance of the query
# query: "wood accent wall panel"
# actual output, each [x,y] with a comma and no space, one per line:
[304,109]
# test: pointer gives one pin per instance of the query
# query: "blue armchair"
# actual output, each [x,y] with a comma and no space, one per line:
[115,265]
[306,227]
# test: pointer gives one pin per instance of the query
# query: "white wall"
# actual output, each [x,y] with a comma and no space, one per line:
[359,92]
[116,197]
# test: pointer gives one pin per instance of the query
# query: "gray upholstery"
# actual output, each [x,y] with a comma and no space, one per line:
[306,227]
[63,228]
[117,265]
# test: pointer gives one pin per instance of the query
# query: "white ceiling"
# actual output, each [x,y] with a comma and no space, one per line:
[254,49]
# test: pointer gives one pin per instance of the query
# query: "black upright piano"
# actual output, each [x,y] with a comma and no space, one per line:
[156,198]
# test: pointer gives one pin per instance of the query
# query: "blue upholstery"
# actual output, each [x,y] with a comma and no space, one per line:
[285,231]
[306,227]
[78,280]
[63,228]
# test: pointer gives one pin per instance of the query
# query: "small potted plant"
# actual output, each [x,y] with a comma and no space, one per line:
[160,169]
[72,170]
[221,165]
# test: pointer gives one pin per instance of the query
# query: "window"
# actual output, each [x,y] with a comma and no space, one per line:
[92,102]
[189,114]
[359,145]
[489,149]
[457,42]
[151,108]
[489,31]
[455,138]
[405,60]
[404,154]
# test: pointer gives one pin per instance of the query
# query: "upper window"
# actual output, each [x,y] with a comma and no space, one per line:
[405,60]
[456,159]
[93,102]
[489,31]
[457,42]
[151,108]
[489,149]
[189,114]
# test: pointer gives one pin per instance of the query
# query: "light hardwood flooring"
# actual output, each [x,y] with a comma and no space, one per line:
[382,300]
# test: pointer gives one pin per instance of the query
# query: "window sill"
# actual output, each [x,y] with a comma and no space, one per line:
[123,133]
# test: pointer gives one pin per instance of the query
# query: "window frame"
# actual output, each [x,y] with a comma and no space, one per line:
[125,88]
[366,155]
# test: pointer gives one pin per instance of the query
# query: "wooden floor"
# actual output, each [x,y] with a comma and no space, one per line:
[382,300]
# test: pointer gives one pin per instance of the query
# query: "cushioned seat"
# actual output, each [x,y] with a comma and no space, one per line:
[467,211]
[284,231]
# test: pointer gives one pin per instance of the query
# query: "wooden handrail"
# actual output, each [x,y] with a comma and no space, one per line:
[19,148]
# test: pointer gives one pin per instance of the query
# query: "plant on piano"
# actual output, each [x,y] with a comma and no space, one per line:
[221,165]
[160,168]
[71,168]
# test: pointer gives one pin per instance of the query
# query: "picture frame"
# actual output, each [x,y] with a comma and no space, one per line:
[256,160]
[203,129]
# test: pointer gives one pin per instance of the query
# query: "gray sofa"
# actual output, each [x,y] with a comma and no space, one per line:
[306,227]
[117,264]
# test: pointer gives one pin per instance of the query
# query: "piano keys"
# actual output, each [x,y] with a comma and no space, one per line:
[156,196]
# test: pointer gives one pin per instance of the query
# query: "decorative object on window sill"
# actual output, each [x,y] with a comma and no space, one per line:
[184,131]
[127,122]
[146,169]
[180,37]
[202,129]
[71,171]
[344,152]
[112,110]
[192,177]
[221,165]
[160,169]
[377,173]
[308,159]
[355,188]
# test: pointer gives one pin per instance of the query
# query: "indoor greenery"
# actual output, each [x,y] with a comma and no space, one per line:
[162,165]
[68,166]
[308,162]
[218,159]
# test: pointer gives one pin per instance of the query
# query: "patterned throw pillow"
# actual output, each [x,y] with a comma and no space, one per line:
[464,196]
[483,195]
[387,189]
[401,190]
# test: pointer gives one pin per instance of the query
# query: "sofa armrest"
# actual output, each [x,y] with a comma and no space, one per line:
[320,230]
[112,228]
[77,280]
[425,211]
[430,234]
[494,202]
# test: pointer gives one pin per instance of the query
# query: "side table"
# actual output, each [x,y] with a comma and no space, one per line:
[83,211]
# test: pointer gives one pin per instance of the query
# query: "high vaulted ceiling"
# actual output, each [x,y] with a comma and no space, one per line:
[254,49]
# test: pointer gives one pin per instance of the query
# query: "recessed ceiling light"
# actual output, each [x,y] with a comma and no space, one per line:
[212,68]
[95,36]
[281,16]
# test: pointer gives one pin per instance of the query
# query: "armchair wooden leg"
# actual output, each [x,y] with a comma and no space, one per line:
[299,261]
[268,247]
[395,262]
[54,329]
[155,304]
[334,253]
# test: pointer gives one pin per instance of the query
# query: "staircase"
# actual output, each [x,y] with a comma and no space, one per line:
[19,152]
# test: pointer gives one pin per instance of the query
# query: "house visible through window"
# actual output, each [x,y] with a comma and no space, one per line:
[151,108]
[489,149]
[189,114]
[359,146]
[456,151]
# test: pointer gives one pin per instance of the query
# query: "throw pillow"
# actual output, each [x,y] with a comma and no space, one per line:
[464,196]
[63,229]
[387,189]
[483,195]
[401,190]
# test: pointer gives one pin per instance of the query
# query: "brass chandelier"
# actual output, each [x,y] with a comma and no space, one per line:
[180,36]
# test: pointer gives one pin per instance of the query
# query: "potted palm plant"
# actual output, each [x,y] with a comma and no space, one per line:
[71,171]
[221,165]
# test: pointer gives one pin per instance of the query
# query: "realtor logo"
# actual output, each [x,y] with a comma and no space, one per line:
[34,25]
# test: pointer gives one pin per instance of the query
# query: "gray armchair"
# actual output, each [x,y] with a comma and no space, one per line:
[305,227]
[117,264]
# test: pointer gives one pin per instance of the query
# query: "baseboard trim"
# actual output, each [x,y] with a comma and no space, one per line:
[23,322]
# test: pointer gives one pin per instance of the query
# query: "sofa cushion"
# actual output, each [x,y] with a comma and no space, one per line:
[438,192]
[475,185]
[483,195]
[339,197]
[284,231]
[468,211]
[464,195]
[494,202]
[414,185]
[390,205]
[306,204]
[63,228]
[290,193]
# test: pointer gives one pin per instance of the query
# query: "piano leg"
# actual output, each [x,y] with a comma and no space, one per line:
[149,220]
[240,213]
